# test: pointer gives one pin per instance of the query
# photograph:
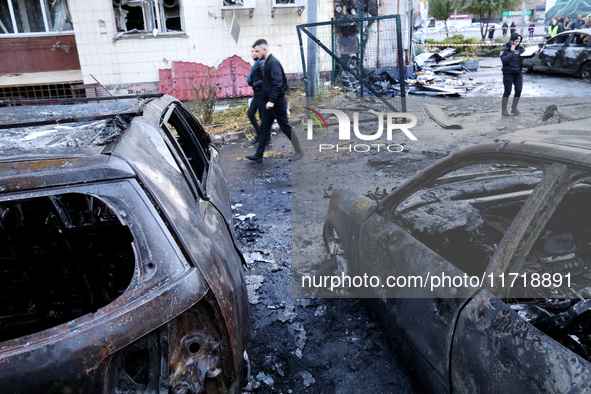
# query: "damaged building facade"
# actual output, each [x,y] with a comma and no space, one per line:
[60,48]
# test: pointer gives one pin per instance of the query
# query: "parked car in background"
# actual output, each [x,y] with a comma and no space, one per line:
[498,211]
[119,268]
[567,53]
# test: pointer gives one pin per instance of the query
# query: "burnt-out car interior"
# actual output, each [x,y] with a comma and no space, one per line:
[567,53]
[71,249]
[119,270]
[513,216]
[464,215]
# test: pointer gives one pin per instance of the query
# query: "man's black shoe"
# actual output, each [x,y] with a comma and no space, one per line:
[256,159]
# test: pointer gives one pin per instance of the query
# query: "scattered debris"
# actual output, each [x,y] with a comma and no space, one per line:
[551,114]
[288,314]
[253,283]
[307,377]
[300,339]
[440,118]
[244,217]
[320,311]
[263,377]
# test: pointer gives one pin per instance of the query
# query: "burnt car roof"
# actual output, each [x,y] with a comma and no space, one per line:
[49,131]
[584,31]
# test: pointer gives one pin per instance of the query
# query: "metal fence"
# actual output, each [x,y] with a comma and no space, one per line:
[361,54]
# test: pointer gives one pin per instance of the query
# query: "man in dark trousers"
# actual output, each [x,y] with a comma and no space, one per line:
[505,28]
[511,59]
[274,89]
[255,79]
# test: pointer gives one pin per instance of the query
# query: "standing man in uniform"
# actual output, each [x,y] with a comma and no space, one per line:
[274,89]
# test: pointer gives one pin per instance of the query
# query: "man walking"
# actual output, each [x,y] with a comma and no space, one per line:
[274,89]
[255,79]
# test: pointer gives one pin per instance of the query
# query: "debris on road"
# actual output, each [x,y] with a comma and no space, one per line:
[440,118]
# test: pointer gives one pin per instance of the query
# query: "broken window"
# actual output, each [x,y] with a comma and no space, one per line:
[560,304]
[146,16]
[183,127]
[34,16]
[464,215]
[61,257]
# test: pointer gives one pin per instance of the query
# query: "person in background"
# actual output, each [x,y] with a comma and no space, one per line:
[505,27]
[512,27]
[255,79]
[274,89]
[491,32]
[552,30]
[531,28]
[511,59]
[579,22]
[560,24]
[568,25]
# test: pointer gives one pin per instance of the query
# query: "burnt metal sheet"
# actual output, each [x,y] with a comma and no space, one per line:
[198,223]
[162,288]
[440,118]
[493,344]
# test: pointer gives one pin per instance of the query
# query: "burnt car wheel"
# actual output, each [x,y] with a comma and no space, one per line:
[586,72]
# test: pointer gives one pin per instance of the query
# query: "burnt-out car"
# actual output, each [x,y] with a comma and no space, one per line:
[567,53]
[119,267]
[482,267]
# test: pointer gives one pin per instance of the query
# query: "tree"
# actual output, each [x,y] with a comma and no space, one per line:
[441,10]
[486,9]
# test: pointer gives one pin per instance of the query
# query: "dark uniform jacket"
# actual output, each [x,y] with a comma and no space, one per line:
[511,59]
[274,81]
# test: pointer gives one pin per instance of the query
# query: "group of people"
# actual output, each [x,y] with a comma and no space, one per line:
[558,25]
[269,84]
[512,28]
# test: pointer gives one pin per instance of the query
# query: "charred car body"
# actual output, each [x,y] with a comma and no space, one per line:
[508,210]
[119,268]
[567,53]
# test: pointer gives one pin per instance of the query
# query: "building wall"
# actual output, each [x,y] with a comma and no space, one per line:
[206,39]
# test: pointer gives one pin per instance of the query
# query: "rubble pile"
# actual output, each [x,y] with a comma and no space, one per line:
[430,81]
[436,74]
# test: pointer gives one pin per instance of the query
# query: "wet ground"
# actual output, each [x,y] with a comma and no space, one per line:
[314,345]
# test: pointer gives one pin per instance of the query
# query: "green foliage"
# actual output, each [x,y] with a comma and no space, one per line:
[468,50]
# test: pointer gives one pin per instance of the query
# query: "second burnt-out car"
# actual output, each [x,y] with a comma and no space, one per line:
[514,216]
[118,265]
[567,53]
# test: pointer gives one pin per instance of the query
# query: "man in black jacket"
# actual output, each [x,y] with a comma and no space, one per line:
[255,79]
[511,59]
[274,89]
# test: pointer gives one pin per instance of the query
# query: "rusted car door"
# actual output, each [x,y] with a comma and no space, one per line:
[421,327]
[551,56]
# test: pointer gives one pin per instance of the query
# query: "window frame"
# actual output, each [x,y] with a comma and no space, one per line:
[195,182]
[46,16]
[154,23]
